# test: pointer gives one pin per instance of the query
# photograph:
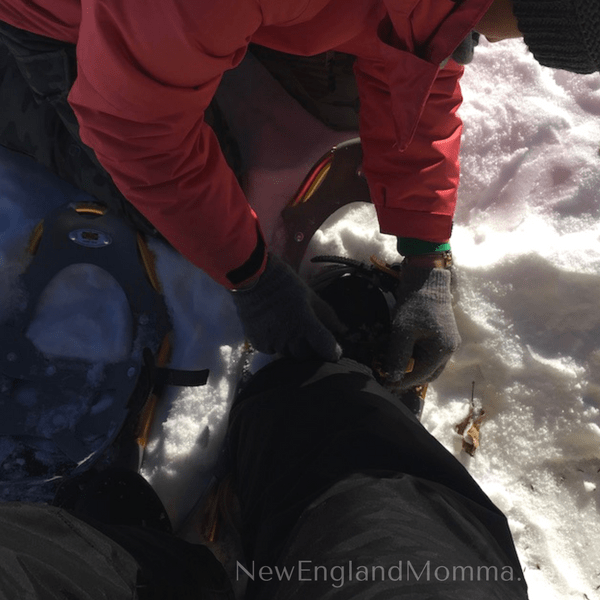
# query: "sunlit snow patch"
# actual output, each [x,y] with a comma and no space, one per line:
[83,313]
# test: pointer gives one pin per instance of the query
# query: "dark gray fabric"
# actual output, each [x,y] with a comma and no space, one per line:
[45,553]
[423,327]
[463,55]
[393,537]
[49,553]
[281,314]
[562,34]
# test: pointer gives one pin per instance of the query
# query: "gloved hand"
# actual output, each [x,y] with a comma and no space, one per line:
[280,313]
[463,55]
[423,327]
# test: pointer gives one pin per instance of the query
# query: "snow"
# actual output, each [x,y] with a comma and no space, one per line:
[83,312]
[527,288]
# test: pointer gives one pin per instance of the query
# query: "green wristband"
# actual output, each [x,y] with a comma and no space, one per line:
[413,246]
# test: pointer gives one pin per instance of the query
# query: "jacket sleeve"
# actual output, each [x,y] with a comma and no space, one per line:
[144,81]
[413,172]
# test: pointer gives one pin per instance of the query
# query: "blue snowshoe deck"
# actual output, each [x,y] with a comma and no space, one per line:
[59,416]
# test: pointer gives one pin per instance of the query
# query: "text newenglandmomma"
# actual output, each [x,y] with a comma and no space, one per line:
[402,571]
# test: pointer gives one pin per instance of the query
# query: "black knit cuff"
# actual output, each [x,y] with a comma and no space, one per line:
[252,265]
[562,34]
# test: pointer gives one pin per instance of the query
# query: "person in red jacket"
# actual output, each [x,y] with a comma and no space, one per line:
[119,90]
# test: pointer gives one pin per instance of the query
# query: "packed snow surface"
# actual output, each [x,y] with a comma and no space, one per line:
[527,255]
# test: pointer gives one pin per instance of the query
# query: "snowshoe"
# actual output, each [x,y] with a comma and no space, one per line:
[336,180]
[62,414]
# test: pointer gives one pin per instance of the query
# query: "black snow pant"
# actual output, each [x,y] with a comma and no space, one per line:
[36,76]
[345,495]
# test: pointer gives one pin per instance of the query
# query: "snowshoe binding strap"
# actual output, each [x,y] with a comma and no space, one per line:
[367,316]
[362,296]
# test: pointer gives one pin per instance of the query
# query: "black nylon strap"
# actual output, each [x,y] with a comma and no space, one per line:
[164,376]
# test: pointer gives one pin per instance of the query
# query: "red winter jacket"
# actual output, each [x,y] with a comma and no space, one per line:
[146,73]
